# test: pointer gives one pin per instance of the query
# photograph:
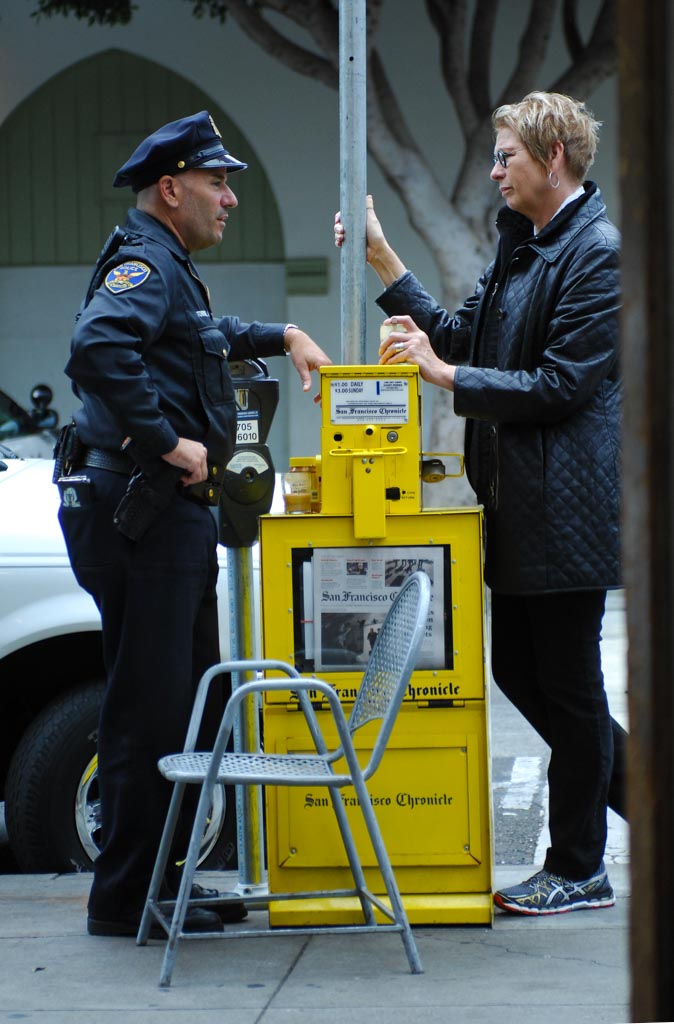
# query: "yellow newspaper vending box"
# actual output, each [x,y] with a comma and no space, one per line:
[327,579]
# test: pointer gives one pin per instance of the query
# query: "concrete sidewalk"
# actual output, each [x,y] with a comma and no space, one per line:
[567,969]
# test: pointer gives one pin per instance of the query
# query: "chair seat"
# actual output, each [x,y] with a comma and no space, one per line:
[269,769]
[380,695]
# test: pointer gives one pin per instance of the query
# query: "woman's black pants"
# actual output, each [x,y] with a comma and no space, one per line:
[546,659]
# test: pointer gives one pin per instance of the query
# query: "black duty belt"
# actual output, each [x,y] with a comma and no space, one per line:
[101,458]
[207,492]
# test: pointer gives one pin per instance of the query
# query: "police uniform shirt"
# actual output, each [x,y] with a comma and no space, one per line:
[149,361]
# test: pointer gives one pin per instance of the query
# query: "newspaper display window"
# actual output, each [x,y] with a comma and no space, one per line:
[343,594]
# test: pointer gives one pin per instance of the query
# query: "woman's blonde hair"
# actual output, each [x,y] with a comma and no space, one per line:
[543,118]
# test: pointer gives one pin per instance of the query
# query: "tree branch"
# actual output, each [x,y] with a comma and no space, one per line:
[481,39]
[598,59]
[574,42]
[449,20]
[532,50]
[296,57]
[382,96]
[96,12]
[373,9]
[319,18]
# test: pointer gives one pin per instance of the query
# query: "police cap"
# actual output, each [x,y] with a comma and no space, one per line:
[179,146]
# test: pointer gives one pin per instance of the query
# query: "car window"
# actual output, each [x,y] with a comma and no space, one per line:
[13,419]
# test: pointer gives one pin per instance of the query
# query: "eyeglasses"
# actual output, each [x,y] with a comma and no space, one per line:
[503,157]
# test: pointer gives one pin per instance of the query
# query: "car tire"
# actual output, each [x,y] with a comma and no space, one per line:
[51,800]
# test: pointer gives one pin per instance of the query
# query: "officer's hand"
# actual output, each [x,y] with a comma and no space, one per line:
[190,456]
[306,356]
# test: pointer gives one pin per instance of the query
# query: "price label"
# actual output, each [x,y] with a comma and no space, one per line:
[368,400]
[247,431]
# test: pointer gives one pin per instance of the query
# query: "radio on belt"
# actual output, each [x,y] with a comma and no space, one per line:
[248,485]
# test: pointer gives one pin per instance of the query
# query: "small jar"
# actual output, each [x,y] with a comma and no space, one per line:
[297,487]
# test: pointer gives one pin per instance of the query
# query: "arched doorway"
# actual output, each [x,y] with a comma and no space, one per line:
[59,150]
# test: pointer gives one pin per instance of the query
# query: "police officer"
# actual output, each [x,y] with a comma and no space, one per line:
[149,363]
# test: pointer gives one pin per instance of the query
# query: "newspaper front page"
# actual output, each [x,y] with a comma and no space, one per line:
[351,592]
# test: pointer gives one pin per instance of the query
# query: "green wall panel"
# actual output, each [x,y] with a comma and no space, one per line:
[60,148]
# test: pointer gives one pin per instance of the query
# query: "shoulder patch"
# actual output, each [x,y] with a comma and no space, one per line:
[126,276]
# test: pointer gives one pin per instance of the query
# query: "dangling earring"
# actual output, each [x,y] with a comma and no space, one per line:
[553,184]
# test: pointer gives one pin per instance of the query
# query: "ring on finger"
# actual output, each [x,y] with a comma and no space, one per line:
[399,346]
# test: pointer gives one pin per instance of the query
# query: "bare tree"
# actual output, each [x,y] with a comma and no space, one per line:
[457,226]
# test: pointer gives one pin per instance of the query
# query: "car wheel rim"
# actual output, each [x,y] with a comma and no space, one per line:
[88,810]
[88,814]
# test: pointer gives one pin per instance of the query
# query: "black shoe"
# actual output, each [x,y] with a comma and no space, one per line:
[196,920]
[229,913]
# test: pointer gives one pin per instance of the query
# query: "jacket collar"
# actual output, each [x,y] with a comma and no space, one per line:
[146,224]
[515,229]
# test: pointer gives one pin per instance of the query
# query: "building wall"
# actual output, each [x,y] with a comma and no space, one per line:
[293,125]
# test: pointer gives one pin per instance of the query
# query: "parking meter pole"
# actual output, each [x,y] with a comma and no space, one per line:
[247,492]
[353,177]
[246,729]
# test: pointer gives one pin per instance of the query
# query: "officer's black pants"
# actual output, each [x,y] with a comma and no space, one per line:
[158,609]
[546,658]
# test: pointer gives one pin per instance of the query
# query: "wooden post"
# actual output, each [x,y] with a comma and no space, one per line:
[647,339]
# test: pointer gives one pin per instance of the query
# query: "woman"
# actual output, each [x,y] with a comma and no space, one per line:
[532,360]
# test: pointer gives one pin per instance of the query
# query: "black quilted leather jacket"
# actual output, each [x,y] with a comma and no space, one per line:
[539,384]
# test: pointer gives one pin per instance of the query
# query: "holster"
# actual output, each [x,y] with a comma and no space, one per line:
[146,496]
[68,452]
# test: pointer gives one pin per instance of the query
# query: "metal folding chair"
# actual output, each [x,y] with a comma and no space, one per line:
[380,695]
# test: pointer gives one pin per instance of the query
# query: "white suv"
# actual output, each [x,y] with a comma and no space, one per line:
[51,682]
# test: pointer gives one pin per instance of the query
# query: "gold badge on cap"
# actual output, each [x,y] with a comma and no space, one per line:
[214,126]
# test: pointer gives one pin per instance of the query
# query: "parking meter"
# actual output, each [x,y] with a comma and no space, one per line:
[247,493]
[248,485]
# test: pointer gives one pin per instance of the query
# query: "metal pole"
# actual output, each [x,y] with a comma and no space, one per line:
[247,727]
[353,176]
[353,184]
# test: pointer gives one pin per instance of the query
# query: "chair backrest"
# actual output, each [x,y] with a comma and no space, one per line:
[392,662]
